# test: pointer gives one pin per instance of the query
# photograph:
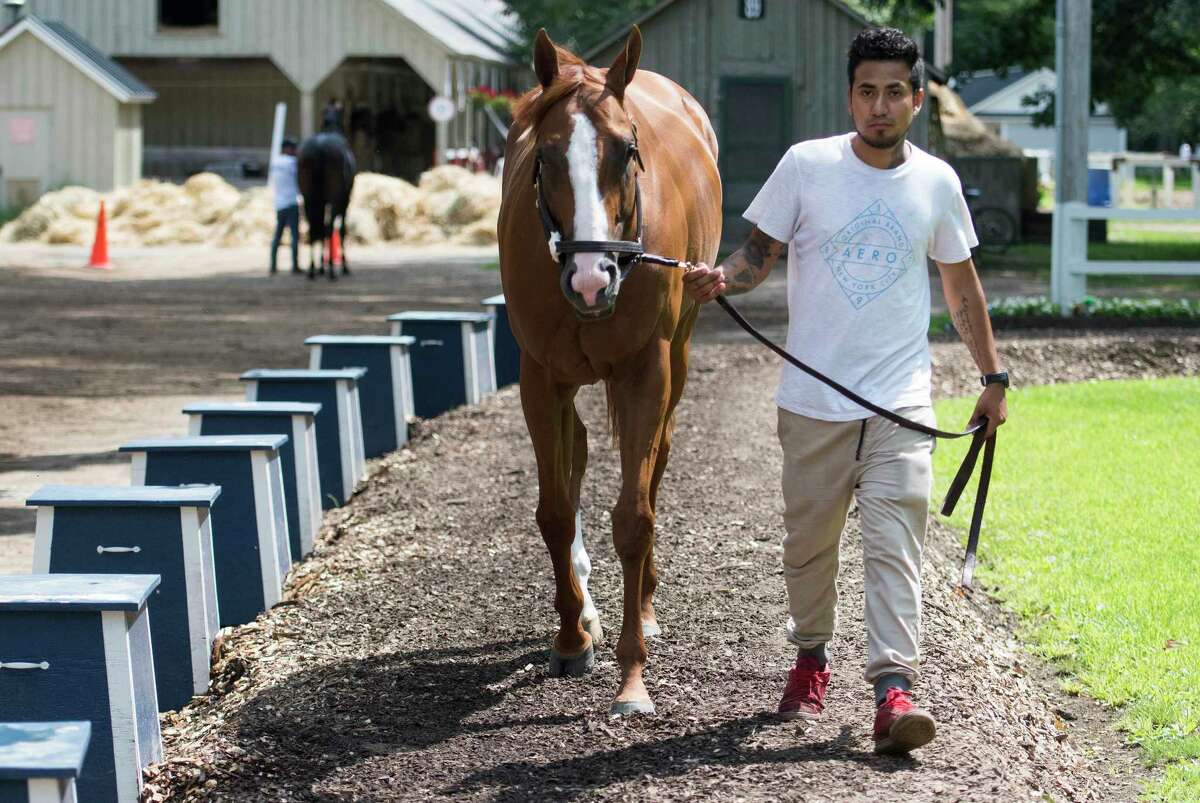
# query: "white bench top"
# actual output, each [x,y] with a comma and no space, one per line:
[124,496]
[445,316]
[81,592]
[304,375]
[254,408]
[492,301]
[360,340]
[206,443]
[43,749]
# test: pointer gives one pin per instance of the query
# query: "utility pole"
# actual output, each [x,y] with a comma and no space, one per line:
[943,33]
[1072,114]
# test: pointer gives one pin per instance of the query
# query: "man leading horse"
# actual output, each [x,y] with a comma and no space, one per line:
[858,215]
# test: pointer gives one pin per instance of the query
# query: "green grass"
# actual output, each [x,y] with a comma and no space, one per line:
[1092,536]
[1127,241]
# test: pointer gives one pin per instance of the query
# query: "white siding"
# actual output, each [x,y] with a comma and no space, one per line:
[83,115]
[306,39]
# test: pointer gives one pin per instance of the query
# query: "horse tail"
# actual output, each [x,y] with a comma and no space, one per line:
[613,427]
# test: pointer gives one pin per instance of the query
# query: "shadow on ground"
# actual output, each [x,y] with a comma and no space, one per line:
[317,722]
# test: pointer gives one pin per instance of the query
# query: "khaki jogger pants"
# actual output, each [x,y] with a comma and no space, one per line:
[887,469]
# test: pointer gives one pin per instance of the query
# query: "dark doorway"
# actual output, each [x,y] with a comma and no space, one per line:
[187,13]
[755,133]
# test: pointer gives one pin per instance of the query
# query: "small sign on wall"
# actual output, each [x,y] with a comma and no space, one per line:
[22,131]
[752,9]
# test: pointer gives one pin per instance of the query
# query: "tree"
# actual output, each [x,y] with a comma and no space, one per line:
[1145,54]
[572,24]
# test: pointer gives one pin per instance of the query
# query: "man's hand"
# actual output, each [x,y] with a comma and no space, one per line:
[704,283]
[991,404]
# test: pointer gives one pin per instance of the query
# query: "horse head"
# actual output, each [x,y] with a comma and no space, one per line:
[586,169]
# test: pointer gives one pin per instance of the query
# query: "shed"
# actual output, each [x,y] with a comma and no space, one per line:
[220,66]
[68,113]
[770,73]
[1007,100]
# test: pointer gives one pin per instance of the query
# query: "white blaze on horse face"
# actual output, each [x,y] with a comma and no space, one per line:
[591,221]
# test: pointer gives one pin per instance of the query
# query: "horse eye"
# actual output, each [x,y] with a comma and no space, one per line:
[630,151]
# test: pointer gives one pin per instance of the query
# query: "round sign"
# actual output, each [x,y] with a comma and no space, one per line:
[442,109]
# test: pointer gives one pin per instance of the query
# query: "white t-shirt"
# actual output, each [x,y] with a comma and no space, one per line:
[283,181]
[858,288]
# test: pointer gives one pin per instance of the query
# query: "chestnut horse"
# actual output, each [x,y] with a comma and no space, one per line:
[598,161]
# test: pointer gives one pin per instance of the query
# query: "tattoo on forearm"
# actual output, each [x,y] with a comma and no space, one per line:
[962,322]
[747,267]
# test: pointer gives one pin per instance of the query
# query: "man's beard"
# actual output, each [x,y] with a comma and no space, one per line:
[883,142]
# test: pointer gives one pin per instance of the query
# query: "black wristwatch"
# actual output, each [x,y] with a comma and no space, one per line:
[998,378]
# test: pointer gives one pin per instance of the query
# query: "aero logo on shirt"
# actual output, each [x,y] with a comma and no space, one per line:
[869,254]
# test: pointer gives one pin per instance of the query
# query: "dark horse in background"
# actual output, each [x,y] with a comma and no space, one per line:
[586,145]
[325,169]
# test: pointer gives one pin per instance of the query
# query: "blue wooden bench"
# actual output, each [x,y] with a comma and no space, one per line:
[301,480]
[504,345]
[249,524]
[339,423]
[77,647]
[39,761]
[385,393]
[143,530]
[452,362]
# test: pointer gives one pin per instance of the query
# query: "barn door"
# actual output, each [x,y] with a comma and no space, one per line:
[24,155]
[755,133]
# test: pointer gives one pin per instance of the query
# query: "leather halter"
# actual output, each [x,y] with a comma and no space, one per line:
[630,251]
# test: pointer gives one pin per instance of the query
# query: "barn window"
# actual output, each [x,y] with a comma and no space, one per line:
[187,14]
[752,9]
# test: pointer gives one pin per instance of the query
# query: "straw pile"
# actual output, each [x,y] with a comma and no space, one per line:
[962,133]
[450,205]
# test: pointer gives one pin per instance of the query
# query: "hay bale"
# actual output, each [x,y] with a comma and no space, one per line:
[384,201]
[252,222]
[213,198]
[481,232]
[176,231]
[69,203]
[69,231]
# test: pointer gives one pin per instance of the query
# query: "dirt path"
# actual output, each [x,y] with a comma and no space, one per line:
[93,358]
[410,659]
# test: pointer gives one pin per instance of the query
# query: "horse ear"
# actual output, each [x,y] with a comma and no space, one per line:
[625,65]
[545,58]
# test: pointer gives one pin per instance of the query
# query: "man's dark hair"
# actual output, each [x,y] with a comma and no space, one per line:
[886,44]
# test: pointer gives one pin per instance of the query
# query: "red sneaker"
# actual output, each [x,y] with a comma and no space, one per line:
[804,695]
[900,726]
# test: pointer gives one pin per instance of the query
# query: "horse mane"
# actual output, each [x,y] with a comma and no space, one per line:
[573,74]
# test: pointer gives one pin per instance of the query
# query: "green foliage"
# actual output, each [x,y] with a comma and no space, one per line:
[1136,45]
[1038,312]
[574,25]
[1090,537]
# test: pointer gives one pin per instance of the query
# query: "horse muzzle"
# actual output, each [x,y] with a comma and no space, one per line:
[605,300]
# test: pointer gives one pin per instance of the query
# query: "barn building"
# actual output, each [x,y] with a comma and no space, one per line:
[770,73]
[218,67]
[68,114]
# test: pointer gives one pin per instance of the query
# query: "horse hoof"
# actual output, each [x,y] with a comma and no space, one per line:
[651,629]
[577,666]
[626,707]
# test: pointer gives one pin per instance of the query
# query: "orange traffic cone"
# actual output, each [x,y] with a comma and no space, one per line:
[100,246]
[335,249]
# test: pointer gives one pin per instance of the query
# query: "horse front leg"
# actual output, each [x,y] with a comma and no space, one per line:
[679,367]
[641,395]
[550,416]
[580,562]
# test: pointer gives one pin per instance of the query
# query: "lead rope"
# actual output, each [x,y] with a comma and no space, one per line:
[965,470]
